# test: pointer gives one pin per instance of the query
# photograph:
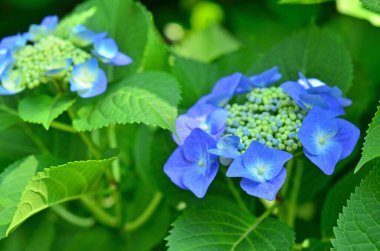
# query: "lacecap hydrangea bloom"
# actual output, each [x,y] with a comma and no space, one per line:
[255,128]
[45,55]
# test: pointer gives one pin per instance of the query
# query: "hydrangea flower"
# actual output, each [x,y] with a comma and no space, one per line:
[313,92]
[107,51]
[46,27]
[210,119]
[327,139]
[47,55]
[88,79]
[191,166]
[262,170]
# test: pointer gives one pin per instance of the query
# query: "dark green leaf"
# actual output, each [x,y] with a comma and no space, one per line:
[373,5]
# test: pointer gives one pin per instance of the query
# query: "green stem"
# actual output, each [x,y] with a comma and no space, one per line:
[140,220]
[292,208]
[259,220]
[72,218]
[112,141]
[99,213]
[289,170]
[63,127]
[235,192]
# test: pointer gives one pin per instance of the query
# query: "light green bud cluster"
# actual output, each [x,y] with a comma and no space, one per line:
[34,60]
[268,115]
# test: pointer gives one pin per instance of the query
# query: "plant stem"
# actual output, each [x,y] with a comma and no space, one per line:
[140,220]
[259,220]
[99,213]
[292,209]
[63,127]
[112,141]
[289,171]
[235,192]
[72,218]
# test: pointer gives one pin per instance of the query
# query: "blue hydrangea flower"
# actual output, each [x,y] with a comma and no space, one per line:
[47,26]
[327,139]
[207,117]
[262,170]
[313,92]
[107,51]
[58,68]
[262,80]
[88,80]
[81,36]
[14,42]
[11,83]
[191,166]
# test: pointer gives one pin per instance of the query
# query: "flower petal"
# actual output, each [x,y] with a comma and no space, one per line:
[176,166]
[347,136]
[327,160]
[121,59]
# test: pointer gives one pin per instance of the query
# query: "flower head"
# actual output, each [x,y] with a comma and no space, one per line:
[191,166]
[262,170]
[47,26]
[107,51]
[11,83]
[207,117]
[327,139]
[82,37]
[312,92]
[88,79]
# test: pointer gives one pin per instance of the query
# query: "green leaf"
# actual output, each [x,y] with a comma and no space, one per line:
[150,98]
[207,44]
[359,224]
[371,147]
[25,192]
[219,225]
[303,1]
[43,109]
[7,120]
[373,5]
[315,53]
[65,25]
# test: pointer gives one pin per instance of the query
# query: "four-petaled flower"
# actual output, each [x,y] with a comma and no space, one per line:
[209,118]
[87,79]
[191,166]
[327,139]
[262,170]
[107,51]
[312,92]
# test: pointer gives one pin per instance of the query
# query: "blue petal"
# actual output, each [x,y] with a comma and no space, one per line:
[98,87]
[50,22]
[197,144]
[266,78]
[121,59]
[294,90]
[317,123]
[106,49]
[198,179]
[217,122]
[266,190]
[327,160]
[347,136]
[176,166]
[182,129]
[227,147]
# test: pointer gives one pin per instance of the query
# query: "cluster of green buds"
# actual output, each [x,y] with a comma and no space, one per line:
[267,115]
[35,61]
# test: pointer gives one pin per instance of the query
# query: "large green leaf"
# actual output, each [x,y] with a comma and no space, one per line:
[149,98]
[303,1]
[359,224]
[7,120]
[219,225]
[373,5]
[25,192]
[43,109]
[315,53]
[371,148]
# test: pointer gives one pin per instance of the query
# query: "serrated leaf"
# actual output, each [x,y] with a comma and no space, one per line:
[222,226]
[43,109]
[359,224]
[373,5]
[208,44]
[25,192]
[315,53]
[149,98]
[371,147]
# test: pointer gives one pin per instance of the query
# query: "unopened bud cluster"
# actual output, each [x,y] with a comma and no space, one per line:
[267,115]
[32,61]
